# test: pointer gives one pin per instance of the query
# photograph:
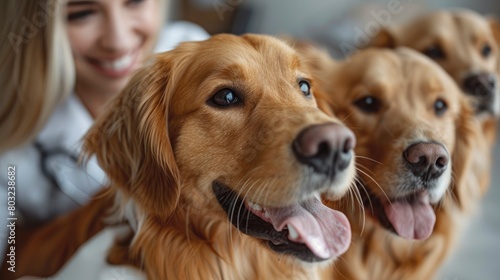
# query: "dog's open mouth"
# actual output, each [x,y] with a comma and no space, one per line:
[411,217]
[308,230]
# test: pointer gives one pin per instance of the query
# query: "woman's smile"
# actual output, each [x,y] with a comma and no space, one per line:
[118,67]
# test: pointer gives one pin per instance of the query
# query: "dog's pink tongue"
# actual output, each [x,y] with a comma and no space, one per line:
[412,219]
[324,231]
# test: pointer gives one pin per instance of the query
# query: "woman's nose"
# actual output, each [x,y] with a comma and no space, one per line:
[117,35]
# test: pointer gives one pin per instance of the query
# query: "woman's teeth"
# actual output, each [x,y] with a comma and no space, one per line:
[119,64]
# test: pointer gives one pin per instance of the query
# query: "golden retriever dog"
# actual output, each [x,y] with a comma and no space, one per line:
[464,43]
[412,126]
[218,157]
[467,46]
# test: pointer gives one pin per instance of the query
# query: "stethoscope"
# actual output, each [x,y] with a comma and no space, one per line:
[63,169]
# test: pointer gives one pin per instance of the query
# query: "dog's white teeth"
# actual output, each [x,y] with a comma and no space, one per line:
[254,206]
[266,215]
[257,207]
[292,233]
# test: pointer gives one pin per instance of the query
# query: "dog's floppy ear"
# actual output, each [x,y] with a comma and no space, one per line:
[495,29]
[384,39]
[132,144]
[323,102]
[319,63]
[316,59]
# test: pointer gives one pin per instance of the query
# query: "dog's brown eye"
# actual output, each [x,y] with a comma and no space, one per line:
[225,97]
[305,88]
[368,104]
[434,52]
[440,107]
[486,51]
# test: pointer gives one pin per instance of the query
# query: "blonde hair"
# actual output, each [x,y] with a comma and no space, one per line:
[36,67]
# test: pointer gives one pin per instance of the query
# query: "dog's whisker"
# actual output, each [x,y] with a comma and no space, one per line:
[377,184]
[367,193]
[347,116]
[336,268]
[366,169]
[244,198]
[267,188]
[233,206]
[360,201]
[368,158]
[351,198]
[388,130]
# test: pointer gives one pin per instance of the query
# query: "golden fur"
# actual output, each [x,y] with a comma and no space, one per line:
[163,144]
[407,85]
[461,35]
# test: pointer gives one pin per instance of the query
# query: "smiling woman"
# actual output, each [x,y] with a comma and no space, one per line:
[64,60]
[109,40]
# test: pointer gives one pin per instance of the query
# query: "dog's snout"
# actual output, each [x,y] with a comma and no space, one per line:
[426,160]
[326,148]
[480,85]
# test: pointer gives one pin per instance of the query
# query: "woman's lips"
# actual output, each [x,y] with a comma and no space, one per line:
[116,68]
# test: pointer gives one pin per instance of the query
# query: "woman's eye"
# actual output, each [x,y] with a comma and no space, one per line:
[434,52]
[486,51]
[440,107]
[224,98]
[79,15]
[135,2]
[368,104]
[305,88]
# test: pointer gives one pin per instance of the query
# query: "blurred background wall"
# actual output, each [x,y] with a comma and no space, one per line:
[331,23]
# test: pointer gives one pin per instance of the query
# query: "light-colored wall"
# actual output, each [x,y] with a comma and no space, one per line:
[293,16]
[342,26]
[297,17]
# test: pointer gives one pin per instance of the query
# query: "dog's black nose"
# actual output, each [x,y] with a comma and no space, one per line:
[326,148]
[426,160]
[480,85]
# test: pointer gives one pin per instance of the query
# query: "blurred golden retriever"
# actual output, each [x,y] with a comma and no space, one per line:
[467,46]
[413,128]
[463,42]
[217,156]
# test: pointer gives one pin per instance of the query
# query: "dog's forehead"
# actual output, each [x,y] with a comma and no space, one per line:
[249,50]
[400,71]
[431,25]
[425,80]
[472,25]
[422,70]
[254,66]
[470,18]
[377,67]
[447,24]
